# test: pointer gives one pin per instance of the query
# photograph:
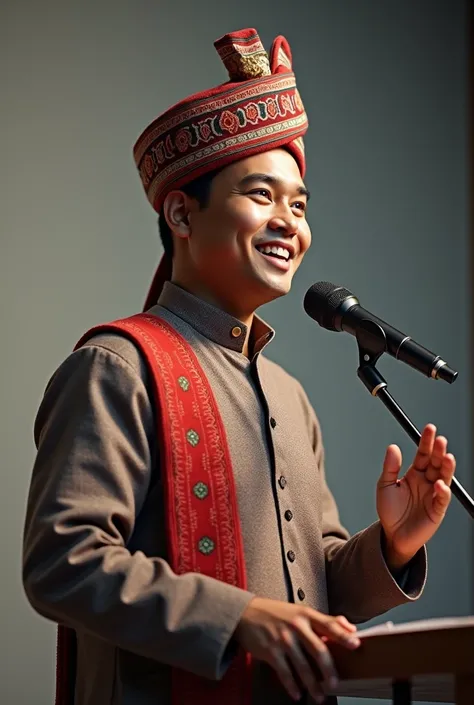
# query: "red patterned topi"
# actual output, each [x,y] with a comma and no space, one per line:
[257,110]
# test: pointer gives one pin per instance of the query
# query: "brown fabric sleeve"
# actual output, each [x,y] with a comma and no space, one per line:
[91,478]
[359,582]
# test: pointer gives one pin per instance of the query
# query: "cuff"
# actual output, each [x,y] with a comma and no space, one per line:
[228,613]
[362,586]
[411,579]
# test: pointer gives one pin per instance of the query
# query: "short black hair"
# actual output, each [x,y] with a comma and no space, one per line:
[200,189]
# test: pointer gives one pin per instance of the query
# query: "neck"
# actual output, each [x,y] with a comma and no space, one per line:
[238,312]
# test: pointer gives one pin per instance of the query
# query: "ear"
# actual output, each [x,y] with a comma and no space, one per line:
[176,209]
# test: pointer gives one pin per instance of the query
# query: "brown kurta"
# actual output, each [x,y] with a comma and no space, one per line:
[95,545]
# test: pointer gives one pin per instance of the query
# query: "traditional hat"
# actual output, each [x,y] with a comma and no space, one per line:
[258,109]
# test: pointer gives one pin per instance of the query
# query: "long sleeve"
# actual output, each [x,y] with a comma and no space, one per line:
[359,583]
[91,483]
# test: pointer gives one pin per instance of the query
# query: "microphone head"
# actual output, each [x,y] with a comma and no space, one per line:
[322,302]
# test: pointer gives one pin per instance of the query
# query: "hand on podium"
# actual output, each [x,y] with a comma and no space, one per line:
[289,636]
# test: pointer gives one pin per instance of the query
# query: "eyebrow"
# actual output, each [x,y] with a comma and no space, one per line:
[271,181]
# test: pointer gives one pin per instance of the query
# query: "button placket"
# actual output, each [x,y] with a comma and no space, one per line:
[288,500]
[290,539]
[289,536]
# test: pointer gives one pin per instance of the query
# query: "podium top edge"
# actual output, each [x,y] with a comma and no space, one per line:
[421,625]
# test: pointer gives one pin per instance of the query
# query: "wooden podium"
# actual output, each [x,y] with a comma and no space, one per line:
[429,660]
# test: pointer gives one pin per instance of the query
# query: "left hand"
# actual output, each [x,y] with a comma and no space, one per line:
[411,508]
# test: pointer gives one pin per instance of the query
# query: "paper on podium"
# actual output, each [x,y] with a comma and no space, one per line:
[417,626]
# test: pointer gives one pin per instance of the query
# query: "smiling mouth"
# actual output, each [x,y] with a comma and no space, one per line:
[279,257]
[274,251]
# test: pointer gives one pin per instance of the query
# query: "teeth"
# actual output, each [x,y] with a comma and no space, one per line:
[273,250]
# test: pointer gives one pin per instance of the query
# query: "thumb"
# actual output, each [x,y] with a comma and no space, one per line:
[391,465]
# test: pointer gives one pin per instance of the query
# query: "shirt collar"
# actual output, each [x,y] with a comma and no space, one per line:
[212,322]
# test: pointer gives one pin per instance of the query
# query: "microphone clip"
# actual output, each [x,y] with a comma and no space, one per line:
[372,343]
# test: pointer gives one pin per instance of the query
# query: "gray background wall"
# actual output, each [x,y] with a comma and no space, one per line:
[385,88]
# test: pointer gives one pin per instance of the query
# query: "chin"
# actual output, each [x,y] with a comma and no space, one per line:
[272,291]
[264,287]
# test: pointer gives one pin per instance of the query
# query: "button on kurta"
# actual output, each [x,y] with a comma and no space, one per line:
[273,423]
[288,515]
[291,556]
[301,594]
[282,482]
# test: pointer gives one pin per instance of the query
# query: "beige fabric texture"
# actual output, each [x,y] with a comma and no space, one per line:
[94,539]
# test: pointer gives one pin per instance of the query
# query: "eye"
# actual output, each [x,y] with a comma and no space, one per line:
[262,192]
[301,205]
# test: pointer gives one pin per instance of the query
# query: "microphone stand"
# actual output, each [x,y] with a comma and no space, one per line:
[372,344]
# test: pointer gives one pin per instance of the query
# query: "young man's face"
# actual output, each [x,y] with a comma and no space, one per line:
[255,204]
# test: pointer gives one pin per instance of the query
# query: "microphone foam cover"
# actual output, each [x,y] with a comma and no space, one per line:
[322,301]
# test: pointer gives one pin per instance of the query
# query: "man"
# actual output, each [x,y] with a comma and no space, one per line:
[171,582]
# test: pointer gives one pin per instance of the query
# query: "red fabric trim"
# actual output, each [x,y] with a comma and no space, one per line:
[197,101]
[200,103]
[233,37]
[214,162]
[245,40]
[203,526]
[280,45]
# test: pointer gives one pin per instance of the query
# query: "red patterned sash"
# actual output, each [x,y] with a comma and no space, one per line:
[203,527]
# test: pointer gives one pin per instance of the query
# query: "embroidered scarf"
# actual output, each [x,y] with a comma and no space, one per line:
[203,528]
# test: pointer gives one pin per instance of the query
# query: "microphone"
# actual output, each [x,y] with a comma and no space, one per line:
[336,308]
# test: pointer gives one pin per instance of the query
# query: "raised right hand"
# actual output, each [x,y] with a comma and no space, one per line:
[281,633]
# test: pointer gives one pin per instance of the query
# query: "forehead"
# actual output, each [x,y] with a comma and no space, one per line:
[277,163]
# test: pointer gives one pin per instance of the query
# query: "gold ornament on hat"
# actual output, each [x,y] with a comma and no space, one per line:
[242,68]
[244,57]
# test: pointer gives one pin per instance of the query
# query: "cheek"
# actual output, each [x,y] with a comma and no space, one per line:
[228,228]
[242,220]
[305,238]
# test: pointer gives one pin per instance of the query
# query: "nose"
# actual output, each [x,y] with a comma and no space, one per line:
[285,223]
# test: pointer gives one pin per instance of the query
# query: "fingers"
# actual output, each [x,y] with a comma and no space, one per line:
[291,639]
[442,464]
[441,497]
[435,462]
[330,629]
[448,468]
[294,654]
[282,668]
[337,629]
[345,623]
[432,458]
[315,652]
[301,665]
[440,446]
[425,448]
[391,466]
